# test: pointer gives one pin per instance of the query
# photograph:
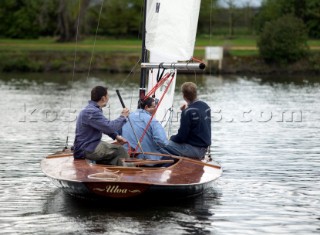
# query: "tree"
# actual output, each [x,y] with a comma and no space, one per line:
[283,40]
[207,10]
[312,18]
[119,18]
[21,18]
[231,6]
[306,10]
[270,10]
[71,19]
[47,17]
[248,13]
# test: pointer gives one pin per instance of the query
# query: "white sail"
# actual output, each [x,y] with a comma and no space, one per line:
[171,27]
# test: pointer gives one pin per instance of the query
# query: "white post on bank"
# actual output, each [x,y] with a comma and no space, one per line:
[214,53]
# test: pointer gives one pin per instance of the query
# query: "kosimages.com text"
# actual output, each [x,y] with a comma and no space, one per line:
[39,114]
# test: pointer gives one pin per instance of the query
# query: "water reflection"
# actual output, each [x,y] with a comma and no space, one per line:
[137,217]
[270,183]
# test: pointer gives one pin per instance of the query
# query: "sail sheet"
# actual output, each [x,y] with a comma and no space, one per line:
[171,27]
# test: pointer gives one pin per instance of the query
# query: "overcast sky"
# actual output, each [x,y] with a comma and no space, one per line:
[254,3]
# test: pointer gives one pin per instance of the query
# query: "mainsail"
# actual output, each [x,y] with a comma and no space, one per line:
[171,27]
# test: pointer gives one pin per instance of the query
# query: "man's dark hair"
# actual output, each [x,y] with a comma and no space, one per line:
[143,102]
[97,93]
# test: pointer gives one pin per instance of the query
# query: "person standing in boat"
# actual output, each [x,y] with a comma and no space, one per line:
[194,134]
[91,123]
[154,136]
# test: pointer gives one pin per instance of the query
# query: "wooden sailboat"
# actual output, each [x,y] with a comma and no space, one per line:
[80,178]
[184,177]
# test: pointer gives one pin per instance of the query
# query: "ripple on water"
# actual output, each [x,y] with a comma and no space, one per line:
[270,183]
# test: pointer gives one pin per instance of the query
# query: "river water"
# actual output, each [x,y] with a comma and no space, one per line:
[265,135]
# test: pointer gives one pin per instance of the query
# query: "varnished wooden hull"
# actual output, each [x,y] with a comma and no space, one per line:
[186,178]
[98,190]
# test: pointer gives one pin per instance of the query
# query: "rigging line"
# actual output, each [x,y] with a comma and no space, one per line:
[131,98]
[94,45]
[73,71]
[195,76]
[208,153]
[132,71]
[158,85]
[146,129]
[210,33]
[95,40]
[170,121]
[165,115]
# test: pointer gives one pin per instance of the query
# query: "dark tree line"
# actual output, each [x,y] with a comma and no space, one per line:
[306,10]
[122,18]
[36,18]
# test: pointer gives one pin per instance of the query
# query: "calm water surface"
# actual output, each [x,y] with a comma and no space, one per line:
[265,135]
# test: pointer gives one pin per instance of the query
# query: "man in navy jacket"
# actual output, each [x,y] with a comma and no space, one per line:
[194,134]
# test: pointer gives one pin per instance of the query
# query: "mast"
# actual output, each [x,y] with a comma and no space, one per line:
[144,54]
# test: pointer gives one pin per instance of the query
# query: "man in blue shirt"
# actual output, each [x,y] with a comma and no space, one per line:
[194,134]
[91,123]
[155,136]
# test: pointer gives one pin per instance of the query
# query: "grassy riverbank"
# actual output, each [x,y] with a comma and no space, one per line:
[44,55]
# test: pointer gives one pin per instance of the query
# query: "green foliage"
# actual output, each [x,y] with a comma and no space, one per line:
[314,59]
[312,18]
[283,40]
[18,19]
[27,18]
[47,17]
[270,10]
[71,19]
[306,10]
[19,62]
[207,11]
[119,18]
[123,18]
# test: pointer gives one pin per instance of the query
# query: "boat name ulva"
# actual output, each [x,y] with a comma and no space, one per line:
[116,189]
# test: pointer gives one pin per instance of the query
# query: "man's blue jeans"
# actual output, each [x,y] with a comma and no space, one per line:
[185,150]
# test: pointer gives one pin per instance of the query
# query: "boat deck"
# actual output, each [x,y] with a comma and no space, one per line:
[184,171]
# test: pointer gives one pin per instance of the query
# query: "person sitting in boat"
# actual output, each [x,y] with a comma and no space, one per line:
[91,123]
[152,137]
[194,134]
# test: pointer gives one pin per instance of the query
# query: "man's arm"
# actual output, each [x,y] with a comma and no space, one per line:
[184,129]
[158,134]
[100,122]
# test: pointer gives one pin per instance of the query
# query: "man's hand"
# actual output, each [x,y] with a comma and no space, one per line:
[121,140]
[125,112]
[183,107]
